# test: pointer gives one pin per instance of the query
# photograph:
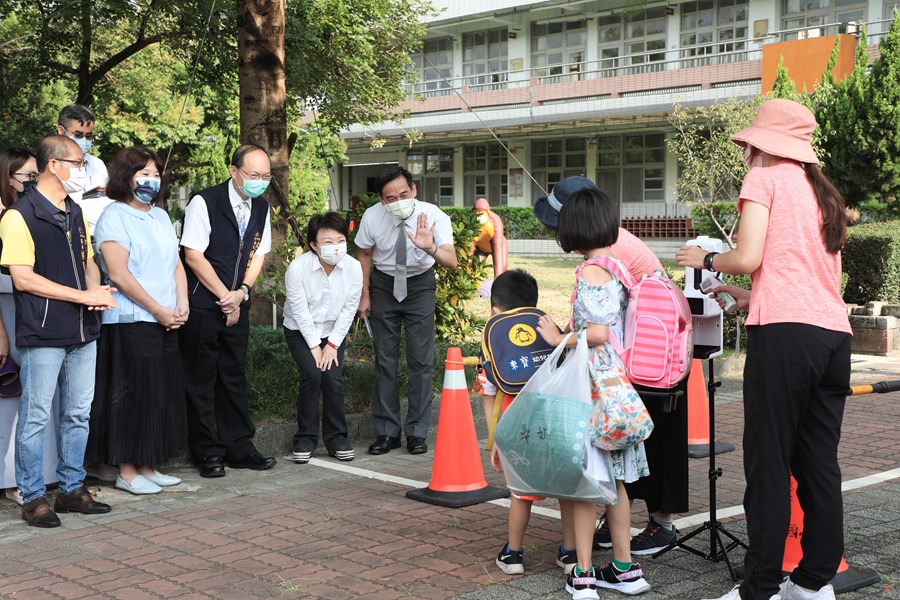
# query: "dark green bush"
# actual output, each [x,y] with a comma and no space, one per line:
[877,212]
[519,223]
[871,260]
[725,213]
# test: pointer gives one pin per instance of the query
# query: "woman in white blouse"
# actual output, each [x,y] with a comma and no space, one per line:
[323,290]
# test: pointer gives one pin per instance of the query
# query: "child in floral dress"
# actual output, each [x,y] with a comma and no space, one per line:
[588,226]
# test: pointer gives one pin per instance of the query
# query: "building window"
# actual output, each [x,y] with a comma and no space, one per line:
[485,56]
[486,174]
[714,27]
[435,72]
[631,168]
[636,42]
[432,171]
[553,160]
[807,18]
[558,49]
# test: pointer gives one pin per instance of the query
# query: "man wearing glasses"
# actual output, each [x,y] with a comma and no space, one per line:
[76,122]
[405,239]
[58,293]
[225,239]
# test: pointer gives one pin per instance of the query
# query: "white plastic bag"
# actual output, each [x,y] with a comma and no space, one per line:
[543,437]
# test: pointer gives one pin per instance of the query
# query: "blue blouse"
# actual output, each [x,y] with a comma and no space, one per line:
[152,249]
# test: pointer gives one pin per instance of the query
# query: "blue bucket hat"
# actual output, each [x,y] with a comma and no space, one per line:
[547,208]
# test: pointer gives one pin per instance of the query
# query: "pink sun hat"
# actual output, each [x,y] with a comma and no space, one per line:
[781,128]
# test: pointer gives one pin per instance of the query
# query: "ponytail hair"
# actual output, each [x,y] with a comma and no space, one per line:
[832,207]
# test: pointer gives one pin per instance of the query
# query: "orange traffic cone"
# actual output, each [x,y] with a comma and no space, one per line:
[848,578]
[457,477]
[698,416]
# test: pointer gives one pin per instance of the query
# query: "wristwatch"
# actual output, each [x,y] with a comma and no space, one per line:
[708,261]
[246,289]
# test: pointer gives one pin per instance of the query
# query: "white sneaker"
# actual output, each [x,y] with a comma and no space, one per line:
[792,591]
[14,495]
[734,594]
[781,590]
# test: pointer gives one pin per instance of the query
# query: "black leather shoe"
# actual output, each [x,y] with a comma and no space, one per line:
[384,444]
[80,501]
[255,461]
[212,466]
[416,445]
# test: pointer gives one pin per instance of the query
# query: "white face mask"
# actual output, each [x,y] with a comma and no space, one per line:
[402,209]
[333,253]
[75,182]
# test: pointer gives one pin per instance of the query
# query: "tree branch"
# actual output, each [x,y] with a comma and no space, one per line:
[119,57]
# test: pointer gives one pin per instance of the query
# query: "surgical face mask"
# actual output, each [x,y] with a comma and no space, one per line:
[401,209]
[147,188]
[254,188]
[75,182]
[26,187]
[333,253]
[83,143]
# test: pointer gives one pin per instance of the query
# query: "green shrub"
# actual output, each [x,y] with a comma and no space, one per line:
[871,259]
[724,212]
[273,376]
[519,222]
[877,212]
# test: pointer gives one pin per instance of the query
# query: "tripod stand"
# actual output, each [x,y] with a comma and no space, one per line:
[718,549]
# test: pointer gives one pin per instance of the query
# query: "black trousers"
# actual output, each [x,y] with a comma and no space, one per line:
[330,384]
[416,314]
[795,385]
[215,381]
[666,488]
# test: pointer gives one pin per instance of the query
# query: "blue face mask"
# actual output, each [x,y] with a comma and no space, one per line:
[83,143]
[147,188]
[253,188]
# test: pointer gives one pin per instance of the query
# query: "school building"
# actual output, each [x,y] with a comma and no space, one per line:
[584,87]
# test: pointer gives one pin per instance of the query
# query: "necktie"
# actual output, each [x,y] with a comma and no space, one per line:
[243,216]
[400,264]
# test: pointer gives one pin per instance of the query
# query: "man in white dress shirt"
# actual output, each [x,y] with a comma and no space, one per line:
[404,238]
[225,239]
[76,122]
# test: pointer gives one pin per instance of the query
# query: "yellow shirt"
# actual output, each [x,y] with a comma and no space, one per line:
[18,245]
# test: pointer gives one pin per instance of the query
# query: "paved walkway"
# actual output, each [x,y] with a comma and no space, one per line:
[346,530]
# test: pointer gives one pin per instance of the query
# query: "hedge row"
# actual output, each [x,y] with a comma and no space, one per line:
[519,222]
[871,260]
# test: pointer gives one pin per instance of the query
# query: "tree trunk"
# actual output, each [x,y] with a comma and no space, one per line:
[262,101]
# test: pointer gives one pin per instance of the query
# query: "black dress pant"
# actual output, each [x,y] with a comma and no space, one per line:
[416,314]
[215,380]
[665,490]
[313,381]
[795,385]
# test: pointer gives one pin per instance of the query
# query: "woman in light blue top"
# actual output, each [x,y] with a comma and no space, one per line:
[138,416]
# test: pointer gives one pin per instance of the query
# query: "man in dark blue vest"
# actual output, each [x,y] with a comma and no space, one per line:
[57,293]
[225,238]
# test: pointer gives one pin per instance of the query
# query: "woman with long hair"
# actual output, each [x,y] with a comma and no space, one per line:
[798,351]
[138,416]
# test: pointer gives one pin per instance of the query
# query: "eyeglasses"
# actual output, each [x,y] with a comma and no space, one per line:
[79,164]
[81,135]
[403,196]
[257,176]
[30,176]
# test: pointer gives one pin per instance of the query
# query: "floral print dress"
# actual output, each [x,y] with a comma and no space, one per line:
[605,305]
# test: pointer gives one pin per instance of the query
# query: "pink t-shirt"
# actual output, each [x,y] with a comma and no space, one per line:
[635,255]
[798,280]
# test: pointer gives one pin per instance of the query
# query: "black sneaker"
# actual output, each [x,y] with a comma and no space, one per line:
[583,586]
[341,450]
[511,562]
[567,559]
[653,538]
[302,453]
[602,539]
[629,582]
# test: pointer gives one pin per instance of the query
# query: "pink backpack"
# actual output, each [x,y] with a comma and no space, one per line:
[659,337]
